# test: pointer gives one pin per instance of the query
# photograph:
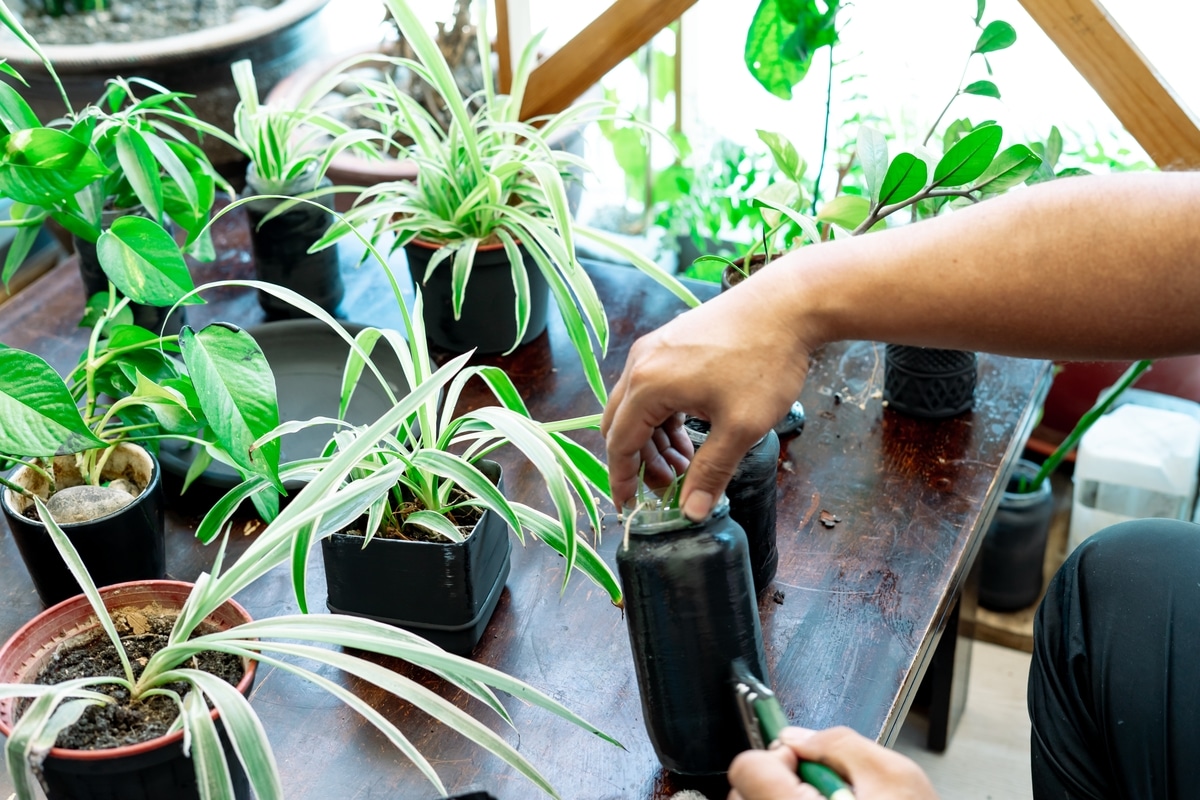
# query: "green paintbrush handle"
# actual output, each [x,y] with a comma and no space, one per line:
[772,721]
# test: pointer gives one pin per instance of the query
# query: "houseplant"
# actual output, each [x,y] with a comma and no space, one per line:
[123,155]
[71,438]
[186,49]
[289,152]
[1010,571]
[170,672]
[436,525]
[488,211]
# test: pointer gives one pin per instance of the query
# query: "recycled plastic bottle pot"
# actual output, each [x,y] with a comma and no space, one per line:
[690,610]
[281,245]
[751,493]
[127,545]
[1014,548]
[488,320]
[95,280]
[927,382]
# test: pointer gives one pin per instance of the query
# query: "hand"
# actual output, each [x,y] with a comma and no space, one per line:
[736,361]
[875,772]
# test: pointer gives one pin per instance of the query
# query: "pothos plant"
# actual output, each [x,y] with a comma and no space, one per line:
[490,177]
[124,151]
[211,387]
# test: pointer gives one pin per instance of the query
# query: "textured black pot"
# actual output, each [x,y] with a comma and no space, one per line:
[127,545]
[153,770]
[488,322]
[281,256]
[1014,548]
[927,382]
[751,493]
[690,609]
[443,592]
[152,318]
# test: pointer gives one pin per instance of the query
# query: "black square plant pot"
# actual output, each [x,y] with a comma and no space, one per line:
[445,592]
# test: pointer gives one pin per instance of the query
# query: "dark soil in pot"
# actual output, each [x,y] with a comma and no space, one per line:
[488,320]
[123,722]
[443,591]
[137,20]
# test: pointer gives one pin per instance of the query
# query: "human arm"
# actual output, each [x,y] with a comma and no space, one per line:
[875,772]
[1085,268]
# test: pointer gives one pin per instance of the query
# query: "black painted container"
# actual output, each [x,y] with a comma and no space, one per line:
[445,592]
[280,246]
[152,318]
[488,321]
[751,493]
[690,609]
[927,382]
[127,545]
[1014,548]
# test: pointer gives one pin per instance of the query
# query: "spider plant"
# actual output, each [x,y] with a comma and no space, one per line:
[274,642]
[490,178]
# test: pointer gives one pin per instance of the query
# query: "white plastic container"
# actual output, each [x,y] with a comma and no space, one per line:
[1135,462]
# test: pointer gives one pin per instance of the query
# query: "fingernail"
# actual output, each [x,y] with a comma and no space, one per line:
[794,735]
[698,506]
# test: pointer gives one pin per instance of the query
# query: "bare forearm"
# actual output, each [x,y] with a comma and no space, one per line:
[1100,267]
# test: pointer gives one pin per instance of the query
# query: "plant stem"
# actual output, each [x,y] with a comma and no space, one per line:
[824,136]
[35,467]
[880,212]
[1087,420]
[950,102]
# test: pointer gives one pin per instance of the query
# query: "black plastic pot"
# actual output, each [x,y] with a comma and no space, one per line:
[929,383]
[691,610]
[488,321]
[445,592]
[127,545]
[1014,548]
[751,493]
[281,256]
[152,318]
[151,770]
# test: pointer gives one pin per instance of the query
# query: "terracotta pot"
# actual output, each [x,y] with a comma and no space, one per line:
[149,770]
[126,545]
[278,41]
[445,592]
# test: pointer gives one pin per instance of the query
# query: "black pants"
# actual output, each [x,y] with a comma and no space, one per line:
[1114,686]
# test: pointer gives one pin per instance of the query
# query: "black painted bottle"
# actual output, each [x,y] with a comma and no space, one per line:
[751,493]
[691,610]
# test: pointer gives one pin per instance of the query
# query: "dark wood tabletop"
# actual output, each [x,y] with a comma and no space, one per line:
[851,624]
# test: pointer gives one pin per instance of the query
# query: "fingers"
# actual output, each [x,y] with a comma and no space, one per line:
[766,775]
[712,467]
[870,767]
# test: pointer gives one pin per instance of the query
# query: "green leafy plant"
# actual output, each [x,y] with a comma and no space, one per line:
[274,641]
[211,387]
[1103,404]
[124,151]
[423,469]
[490,177]
[290,148]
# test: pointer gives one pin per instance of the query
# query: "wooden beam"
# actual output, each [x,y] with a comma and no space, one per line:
[503,48]
[1123,77]
[607,41]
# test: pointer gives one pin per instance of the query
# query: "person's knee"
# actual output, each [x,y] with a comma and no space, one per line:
[1132,558]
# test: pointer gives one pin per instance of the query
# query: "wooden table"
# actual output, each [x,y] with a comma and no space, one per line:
[852,624]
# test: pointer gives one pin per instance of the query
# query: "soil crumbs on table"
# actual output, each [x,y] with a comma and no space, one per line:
[124,723]
[137,20]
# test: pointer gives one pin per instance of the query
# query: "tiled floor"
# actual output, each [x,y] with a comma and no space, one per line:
[988,756]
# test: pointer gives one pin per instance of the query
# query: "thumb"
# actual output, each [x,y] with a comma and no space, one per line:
[710,471]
